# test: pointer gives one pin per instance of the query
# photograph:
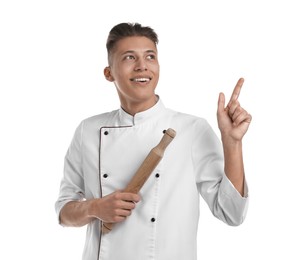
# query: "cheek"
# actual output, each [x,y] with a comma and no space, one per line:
[155,68]
[156,72]
[123,69]
[119,73]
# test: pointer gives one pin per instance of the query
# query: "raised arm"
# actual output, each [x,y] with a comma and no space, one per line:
[233,122]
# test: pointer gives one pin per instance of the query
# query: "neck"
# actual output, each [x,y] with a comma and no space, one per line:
[133,108]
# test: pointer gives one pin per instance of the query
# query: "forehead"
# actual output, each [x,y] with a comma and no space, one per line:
[134,44]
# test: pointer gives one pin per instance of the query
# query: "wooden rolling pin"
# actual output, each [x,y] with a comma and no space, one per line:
[146,168]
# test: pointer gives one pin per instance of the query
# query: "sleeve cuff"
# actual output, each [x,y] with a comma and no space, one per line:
[229,189]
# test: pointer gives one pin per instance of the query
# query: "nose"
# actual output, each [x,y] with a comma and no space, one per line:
[141,65]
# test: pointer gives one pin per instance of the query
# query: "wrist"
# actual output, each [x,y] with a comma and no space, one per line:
[229,141]
[91,208]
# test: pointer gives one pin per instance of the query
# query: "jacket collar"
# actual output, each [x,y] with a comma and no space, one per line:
[142,117]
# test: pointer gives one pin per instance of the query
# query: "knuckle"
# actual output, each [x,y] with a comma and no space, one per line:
[117,204]
[116,219]
[116,213]
[117,195]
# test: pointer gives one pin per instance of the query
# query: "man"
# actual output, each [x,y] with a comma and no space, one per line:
[161,221]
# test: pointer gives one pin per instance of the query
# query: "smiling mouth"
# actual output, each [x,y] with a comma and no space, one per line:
[142,80]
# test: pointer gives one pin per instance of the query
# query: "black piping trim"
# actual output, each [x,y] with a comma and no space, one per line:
[99,176]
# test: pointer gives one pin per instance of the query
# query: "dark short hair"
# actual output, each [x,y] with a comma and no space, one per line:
[123,30]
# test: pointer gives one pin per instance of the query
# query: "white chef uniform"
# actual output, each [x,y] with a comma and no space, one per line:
[105,153]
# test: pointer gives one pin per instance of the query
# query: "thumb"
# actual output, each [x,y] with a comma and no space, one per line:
[221,102]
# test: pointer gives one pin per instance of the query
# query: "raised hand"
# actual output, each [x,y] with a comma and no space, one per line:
[233,120]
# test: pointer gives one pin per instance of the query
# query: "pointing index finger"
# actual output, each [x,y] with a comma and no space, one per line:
[236,91]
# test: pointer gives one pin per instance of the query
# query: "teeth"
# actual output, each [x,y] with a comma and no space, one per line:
[141,79]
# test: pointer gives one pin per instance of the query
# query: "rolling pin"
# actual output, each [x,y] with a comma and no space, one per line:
[146,168]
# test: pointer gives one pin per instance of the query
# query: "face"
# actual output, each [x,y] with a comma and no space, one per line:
[134,69]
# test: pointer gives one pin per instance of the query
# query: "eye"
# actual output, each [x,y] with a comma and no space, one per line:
[151,57]
[129,57]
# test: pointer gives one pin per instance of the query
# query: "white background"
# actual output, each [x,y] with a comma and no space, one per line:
[52,54]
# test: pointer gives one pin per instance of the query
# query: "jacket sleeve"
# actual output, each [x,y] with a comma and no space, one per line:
[72,183]
[223,199]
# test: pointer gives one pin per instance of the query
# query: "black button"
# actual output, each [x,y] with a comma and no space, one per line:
[164,131]
[106,132]
[153,220]
[157,175]
[105,175]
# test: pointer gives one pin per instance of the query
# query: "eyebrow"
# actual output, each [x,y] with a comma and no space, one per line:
[132,51]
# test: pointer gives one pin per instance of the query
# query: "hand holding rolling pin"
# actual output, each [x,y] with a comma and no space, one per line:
[115,207]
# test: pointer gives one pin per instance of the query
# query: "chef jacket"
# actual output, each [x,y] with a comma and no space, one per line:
[107,150]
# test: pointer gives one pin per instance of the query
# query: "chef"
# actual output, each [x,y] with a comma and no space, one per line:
[160,222]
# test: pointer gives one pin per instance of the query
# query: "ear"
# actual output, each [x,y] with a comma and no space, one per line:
[108,74]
